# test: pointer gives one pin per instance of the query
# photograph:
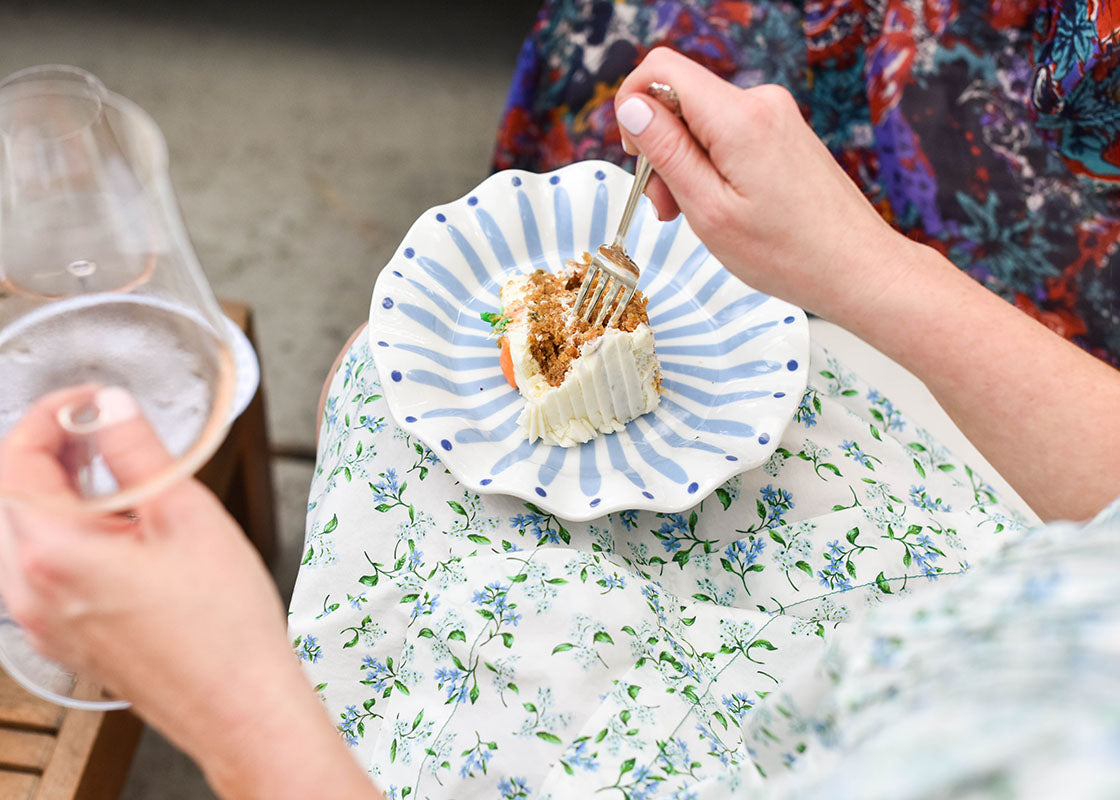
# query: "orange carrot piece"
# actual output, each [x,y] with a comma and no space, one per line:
[506,360]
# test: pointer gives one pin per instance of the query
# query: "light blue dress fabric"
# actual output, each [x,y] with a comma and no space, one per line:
[1004,684]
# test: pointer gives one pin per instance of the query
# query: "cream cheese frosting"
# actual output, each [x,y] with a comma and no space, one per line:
[614,379]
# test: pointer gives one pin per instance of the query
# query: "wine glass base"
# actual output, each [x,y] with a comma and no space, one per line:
[40,675]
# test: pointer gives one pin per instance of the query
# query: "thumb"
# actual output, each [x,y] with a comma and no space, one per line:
[126,440]
[135,454]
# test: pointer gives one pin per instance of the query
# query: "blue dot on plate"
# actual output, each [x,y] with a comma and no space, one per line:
[486,481]
[763,438]
[731,458]
[596,502]
[692,487]
[555,179]
[441,218]
[541,492]
[446,445]
[788,320]
[779,394]
[472,201]
[791,365]
[387,302]
[516,181]
[409,252]
[647,495]
[410,418]
[600,175]
[396,375]
[382,344]
[397,273]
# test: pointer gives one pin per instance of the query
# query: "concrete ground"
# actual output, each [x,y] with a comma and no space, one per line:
[304,140]
[303,144]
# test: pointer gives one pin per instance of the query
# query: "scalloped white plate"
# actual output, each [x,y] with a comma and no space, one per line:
[734,361]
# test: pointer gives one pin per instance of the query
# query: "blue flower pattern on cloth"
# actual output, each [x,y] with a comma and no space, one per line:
[478,645]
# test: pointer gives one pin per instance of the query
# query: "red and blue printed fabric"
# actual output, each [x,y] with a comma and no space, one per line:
[988,130]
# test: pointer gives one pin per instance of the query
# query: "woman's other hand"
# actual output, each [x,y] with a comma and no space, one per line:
[169,607]
[758,187]
[124,599]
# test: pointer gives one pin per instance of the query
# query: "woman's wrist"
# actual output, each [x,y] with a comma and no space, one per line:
[919,306]
[257,730]
[278,743]
[861,285]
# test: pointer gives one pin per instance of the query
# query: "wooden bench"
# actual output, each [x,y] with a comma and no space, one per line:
[52,753]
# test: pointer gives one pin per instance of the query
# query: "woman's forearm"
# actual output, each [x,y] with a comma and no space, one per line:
[1042,411]
[772,204]
[266,736]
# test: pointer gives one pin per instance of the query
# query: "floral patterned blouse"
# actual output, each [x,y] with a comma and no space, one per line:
[989,130]
[852,619]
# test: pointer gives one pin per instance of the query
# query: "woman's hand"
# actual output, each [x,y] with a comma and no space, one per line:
[769,200]
[758,187]
[119,600]
[170,607]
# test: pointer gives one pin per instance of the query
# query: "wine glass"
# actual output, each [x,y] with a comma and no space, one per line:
[99,286]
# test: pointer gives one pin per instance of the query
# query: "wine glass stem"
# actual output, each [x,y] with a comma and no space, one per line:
[79,419]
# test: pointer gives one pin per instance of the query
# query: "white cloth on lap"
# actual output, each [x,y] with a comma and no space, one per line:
[475,646]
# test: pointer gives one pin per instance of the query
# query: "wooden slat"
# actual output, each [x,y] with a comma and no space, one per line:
[71,756]
[20,709]
[238,312]
[17,785]
[240,472]
[107,769]
[250,500]
[258,515]
[218,473]
[72,748]
[25,750]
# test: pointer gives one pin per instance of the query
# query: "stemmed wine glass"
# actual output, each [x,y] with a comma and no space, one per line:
[99,286]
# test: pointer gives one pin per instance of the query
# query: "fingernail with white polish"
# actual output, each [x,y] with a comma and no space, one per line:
[108,406]
[634,115]
[114,405]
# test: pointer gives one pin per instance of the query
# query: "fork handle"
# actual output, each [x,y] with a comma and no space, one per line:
[642,172]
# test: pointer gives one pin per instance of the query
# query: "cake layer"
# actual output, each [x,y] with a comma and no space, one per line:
[615,378]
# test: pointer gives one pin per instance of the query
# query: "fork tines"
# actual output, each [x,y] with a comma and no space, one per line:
[615,278]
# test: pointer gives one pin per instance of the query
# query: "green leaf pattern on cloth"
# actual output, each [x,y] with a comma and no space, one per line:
[471,645]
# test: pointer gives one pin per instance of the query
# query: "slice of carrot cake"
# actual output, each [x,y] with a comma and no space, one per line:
[578,380]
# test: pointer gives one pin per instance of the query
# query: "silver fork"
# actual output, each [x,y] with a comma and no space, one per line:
[611,267]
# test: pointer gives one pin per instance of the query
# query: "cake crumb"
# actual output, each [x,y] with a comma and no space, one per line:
[554,343]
